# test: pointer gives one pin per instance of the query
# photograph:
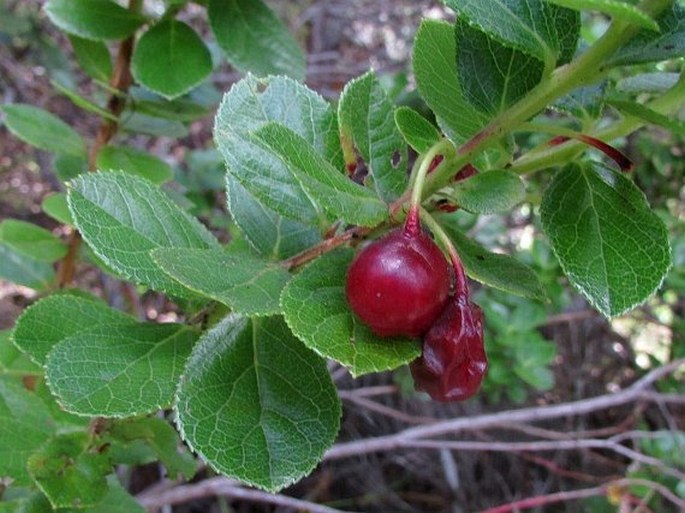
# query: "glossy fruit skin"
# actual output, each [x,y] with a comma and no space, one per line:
[399,284]
[453,362]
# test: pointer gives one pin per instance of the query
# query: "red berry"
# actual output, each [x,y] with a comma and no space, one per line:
[453,362]
[399,284]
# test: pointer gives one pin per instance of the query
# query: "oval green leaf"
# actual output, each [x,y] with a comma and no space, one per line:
[42,129]
[18,268]
[93,19]
[365,116]
[25,424]
[610,244]
[69,472]
[119,370]
[135,162]
[248,106]
[419,133]
[54,318]
[489,192]
[433,59]
[171,59]
[256,404]
[32,241]
[123,217]
[93,57]
[254,39]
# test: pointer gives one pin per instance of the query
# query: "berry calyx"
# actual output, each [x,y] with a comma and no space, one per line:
[399,284]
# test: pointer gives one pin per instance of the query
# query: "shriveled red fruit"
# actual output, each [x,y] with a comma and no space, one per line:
[453,362]
[399,284]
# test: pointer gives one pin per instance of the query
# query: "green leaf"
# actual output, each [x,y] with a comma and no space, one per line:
[251,104]
[584,102]
[419,133]
[650,46]
[365,116]
[256,404]
[435,53]
[67,167]
[54,318]
[93,57]
[123,217]
[493,76]
[18,268]
[317,312]
[42,129]
[246,284]
[496,270]
[338,195]
[272,235]
[25,424]
[139,123]
[69,472]
[117,500]
[13,361]
[488,192]
[36,502]
[540,378]
[31,240]
[119,370]
[93,19]
[82,102]
[614,8]
[55,205]
[657,82]
[162,438]
[170,59]
[651,116]
[180,109]
[610,244]
[135,162]
[254,39]
[534,27]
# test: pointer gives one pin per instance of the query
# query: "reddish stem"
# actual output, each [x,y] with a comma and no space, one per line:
[622,161]
[461,285]
[121,80]
[435,163]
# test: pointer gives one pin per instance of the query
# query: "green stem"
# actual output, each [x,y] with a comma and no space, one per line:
[444,149]
[461,287]
[438,149]
[671,101]
[584,70]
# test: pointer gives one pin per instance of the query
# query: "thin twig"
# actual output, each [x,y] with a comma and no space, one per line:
[545,445]
[541,500]
[386,410]
[225,487]
[503,418]
[324,246]
[120,81]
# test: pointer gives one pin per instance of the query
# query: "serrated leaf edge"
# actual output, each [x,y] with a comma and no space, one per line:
[58,399]
[192,220]
[182,433]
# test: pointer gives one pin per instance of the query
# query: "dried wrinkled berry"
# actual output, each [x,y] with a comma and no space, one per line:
[453,362]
